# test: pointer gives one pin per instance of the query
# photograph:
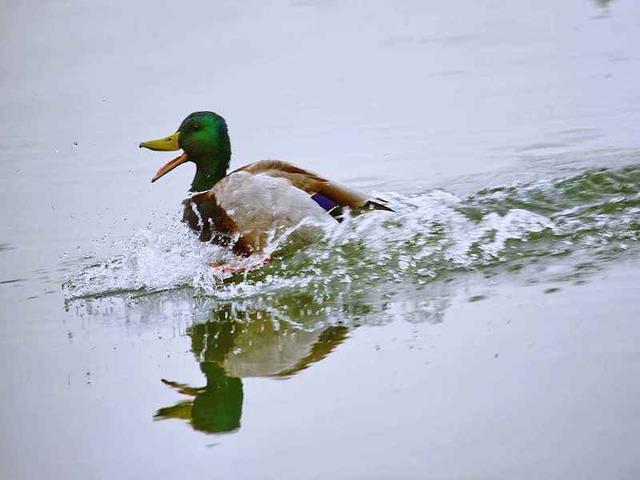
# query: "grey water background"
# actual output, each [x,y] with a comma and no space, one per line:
[480,120]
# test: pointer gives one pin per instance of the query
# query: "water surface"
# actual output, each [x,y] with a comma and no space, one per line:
[486,330]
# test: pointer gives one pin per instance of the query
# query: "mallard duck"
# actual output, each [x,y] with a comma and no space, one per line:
[241,208]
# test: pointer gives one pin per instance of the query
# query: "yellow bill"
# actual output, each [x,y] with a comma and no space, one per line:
[166,144]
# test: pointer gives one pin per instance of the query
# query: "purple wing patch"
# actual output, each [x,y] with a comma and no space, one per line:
[323,201]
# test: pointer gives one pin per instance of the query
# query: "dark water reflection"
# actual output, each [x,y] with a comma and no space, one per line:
[603,3]
[233,345]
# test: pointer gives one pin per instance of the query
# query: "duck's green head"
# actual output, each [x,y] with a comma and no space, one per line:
[204,138]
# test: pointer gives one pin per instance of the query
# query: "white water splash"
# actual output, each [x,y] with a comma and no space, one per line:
[427,234]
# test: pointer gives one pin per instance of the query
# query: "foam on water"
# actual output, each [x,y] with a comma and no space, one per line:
[583,219]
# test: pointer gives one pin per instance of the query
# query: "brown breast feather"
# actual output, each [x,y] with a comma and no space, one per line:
[213,223]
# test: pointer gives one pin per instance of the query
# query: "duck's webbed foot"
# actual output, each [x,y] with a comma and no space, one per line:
[249,264]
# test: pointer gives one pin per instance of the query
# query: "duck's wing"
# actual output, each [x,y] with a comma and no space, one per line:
[330,195]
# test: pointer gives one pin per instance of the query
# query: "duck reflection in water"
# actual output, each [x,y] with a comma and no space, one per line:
[233,345]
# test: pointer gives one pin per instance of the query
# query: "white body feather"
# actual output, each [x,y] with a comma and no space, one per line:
[262,203]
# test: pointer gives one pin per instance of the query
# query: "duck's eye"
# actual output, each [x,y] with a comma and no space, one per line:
[196,127]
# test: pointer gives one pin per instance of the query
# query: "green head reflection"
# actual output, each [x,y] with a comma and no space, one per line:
[215,408]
